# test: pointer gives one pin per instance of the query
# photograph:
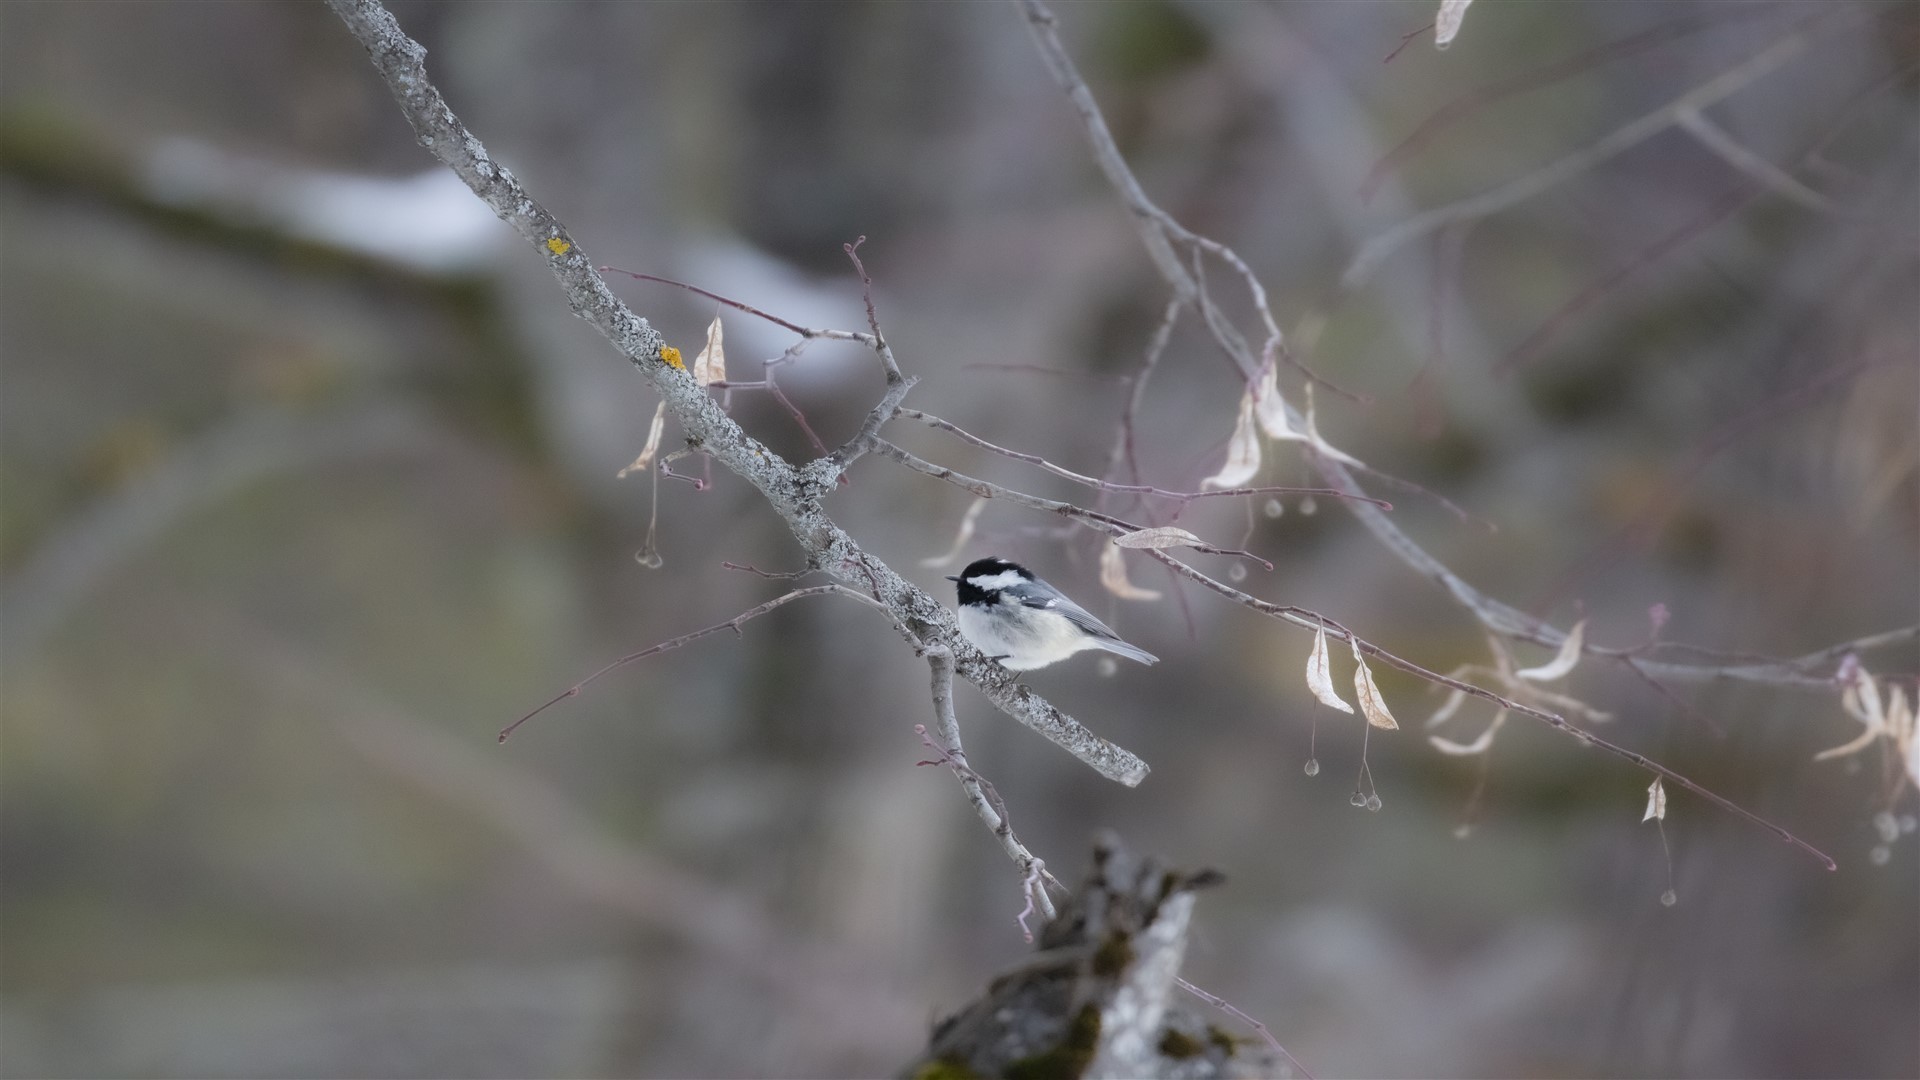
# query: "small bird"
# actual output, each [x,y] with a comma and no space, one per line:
[1025,623]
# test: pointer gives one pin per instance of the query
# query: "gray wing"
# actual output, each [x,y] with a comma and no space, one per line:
[1045,597]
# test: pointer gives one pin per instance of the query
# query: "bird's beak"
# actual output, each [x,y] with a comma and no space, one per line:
[952,577]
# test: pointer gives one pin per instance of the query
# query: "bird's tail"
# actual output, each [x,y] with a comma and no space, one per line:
[1131,652]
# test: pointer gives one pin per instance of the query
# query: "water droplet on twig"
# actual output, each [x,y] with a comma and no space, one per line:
[1275,508]
[1308,506]
[1374,803]
[1880,854]
[1236,573]
[1312,767]
[1358,798]
[1669,898]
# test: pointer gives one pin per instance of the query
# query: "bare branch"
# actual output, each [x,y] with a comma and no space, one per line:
[986,801]
[1631,134]
[1715,138]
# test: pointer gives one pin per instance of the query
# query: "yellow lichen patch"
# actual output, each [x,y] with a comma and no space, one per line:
[671,357]
[559,246]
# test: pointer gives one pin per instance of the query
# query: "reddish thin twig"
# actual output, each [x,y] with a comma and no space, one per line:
[1594,291]
[1642,523]
[1104,485]
[778,575]
[771,385]
[1036,369]
[1234,1011]
[1406,39]
[732,624]
[1533,79]
[1105,523]
[738,305]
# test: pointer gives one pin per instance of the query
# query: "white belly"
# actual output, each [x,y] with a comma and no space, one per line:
[1027,641]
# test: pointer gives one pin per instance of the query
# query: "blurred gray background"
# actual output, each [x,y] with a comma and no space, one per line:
[309,488]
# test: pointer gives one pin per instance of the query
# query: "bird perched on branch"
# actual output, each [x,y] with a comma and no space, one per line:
[1025,623]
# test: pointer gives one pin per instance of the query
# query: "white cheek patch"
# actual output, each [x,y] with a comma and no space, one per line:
[1005,579]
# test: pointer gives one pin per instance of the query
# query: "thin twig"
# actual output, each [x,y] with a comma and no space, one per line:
[1715,138]
[1491,613]
[1094,519]
[740,305]
[1103,485]
[669,645]
[1234,1011]
[991,809]
[778,575]
[1547,74]
[1305,618]
[1631,134]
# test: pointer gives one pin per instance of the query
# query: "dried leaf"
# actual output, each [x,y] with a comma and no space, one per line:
[1325,448]
[1320,674]
[960,540]
[1447,23]
[1853,747]
[1861,699]
[1165,536]
[1271,409]
[1478,746]
[711,365]
[1656,802]
[1900,715]
[1113,575]
[647,452]
[1562,663]
[1243,452]
[1372,705]
[1903,725]
[1913,761]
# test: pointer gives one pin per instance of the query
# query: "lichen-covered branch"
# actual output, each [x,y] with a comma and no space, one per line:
[796,493]
[986,802]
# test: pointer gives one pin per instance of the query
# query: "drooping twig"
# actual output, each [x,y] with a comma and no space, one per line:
[1491,613]
[986,802]
[1313,620]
